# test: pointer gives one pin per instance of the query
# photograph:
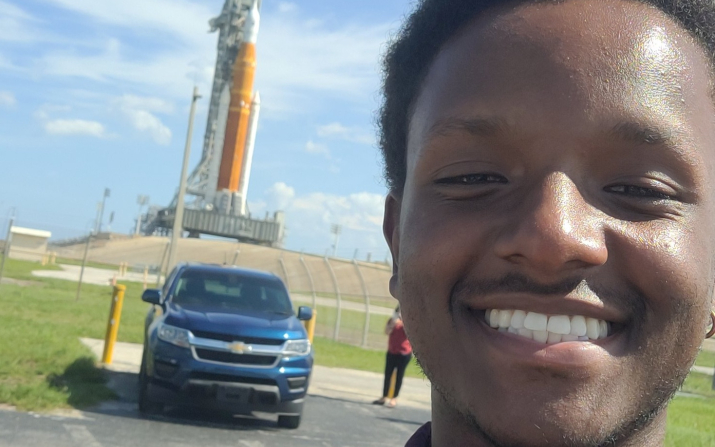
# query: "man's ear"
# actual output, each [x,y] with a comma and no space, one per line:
[391,230]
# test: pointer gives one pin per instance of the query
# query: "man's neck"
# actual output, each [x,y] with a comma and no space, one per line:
[450,428]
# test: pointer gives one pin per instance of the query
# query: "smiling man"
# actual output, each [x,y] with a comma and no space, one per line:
[551,213]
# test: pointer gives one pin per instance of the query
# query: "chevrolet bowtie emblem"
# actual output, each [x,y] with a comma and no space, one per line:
[239,347]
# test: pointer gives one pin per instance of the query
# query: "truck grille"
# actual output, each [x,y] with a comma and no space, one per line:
[232,338]
[237,359]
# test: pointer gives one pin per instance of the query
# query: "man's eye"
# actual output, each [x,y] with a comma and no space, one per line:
[638,192]
[472,179]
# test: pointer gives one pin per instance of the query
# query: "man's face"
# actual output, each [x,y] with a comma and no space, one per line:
[559,163]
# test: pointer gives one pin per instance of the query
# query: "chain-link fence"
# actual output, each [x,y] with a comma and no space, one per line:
[351,297]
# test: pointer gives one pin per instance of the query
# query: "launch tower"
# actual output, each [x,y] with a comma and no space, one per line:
[219,183]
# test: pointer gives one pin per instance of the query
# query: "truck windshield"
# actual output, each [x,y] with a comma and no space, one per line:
[231,291]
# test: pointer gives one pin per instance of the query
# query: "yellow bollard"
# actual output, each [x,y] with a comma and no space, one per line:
[310,326]
[115,314]
[393,382]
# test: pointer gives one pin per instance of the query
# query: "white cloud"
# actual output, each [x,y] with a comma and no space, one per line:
[45,110]
[298,58]
[75,127]
[140,113]
[309,217]
[144,121]
[181,18]
[316,148]
[7,99]
[285,7]
[302,62]
[150,104]
[341,132]
[15,24]
[280,195]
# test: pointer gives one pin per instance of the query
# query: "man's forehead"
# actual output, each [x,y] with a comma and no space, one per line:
[623,53]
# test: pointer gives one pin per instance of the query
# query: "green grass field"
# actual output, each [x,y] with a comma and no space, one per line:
[45,366]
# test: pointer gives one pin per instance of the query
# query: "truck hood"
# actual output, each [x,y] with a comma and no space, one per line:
[246,324]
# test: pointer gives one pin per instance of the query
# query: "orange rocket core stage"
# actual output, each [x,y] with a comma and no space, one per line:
[239,113]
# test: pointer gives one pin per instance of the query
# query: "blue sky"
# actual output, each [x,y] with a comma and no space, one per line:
[96,93]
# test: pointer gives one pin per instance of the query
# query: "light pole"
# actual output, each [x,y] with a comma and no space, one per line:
[98,228]
[100,211]
[336,229]
[179,212]
[141,201]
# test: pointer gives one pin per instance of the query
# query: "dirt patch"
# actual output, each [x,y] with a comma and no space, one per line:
[21,282]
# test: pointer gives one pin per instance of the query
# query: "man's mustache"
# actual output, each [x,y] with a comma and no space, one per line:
[629,297]
[516,283]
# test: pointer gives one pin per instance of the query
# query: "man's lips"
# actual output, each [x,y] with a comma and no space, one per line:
[555,340]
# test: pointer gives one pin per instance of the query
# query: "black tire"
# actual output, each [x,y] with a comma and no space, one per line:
[291,422]
[146,405]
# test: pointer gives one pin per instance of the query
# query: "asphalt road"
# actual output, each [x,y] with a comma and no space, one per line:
[326,422]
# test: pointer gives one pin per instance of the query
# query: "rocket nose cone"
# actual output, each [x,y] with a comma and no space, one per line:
[253,21]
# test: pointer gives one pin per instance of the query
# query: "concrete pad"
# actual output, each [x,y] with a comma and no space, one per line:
[703,370]
[335,383]
[92,275]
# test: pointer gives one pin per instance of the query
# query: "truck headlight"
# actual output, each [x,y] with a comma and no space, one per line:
[174,335]
[296,347]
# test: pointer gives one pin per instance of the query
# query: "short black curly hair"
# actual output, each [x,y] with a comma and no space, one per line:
[433,23]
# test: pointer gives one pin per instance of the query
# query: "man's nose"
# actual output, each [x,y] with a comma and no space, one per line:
[554,230]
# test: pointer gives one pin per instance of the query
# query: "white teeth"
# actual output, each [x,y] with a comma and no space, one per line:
[494,318]
[593,329]
[528,333]
[578,326]
[541,336]
[505,318]
[545,329]
[602,329]
[517,320]
[536,322]
[559,324]
[553,338]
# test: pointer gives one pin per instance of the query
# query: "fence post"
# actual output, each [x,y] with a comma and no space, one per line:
[336,333]
[310,279]
[84,262]
[8,244]
[310,326]
[285,272]
[366,329]
[161,265]
[115,314]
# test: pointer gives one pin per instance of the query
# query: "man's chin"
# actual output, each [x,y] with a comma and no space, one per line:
[529,419]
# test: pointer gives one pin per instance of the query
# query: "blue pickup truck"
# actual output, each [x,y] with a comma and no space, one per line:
[225,338]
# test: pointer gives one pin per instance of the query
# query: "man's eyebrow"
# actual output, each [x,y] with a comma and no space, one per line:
[635,132]
[476,126]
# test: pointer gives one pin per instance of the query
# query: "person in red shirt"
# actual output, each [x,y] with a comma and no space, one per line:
[399,354]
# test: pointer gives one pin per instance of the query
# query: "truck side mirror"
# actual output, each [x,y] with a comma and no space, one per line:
[305,313]
[152,296]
